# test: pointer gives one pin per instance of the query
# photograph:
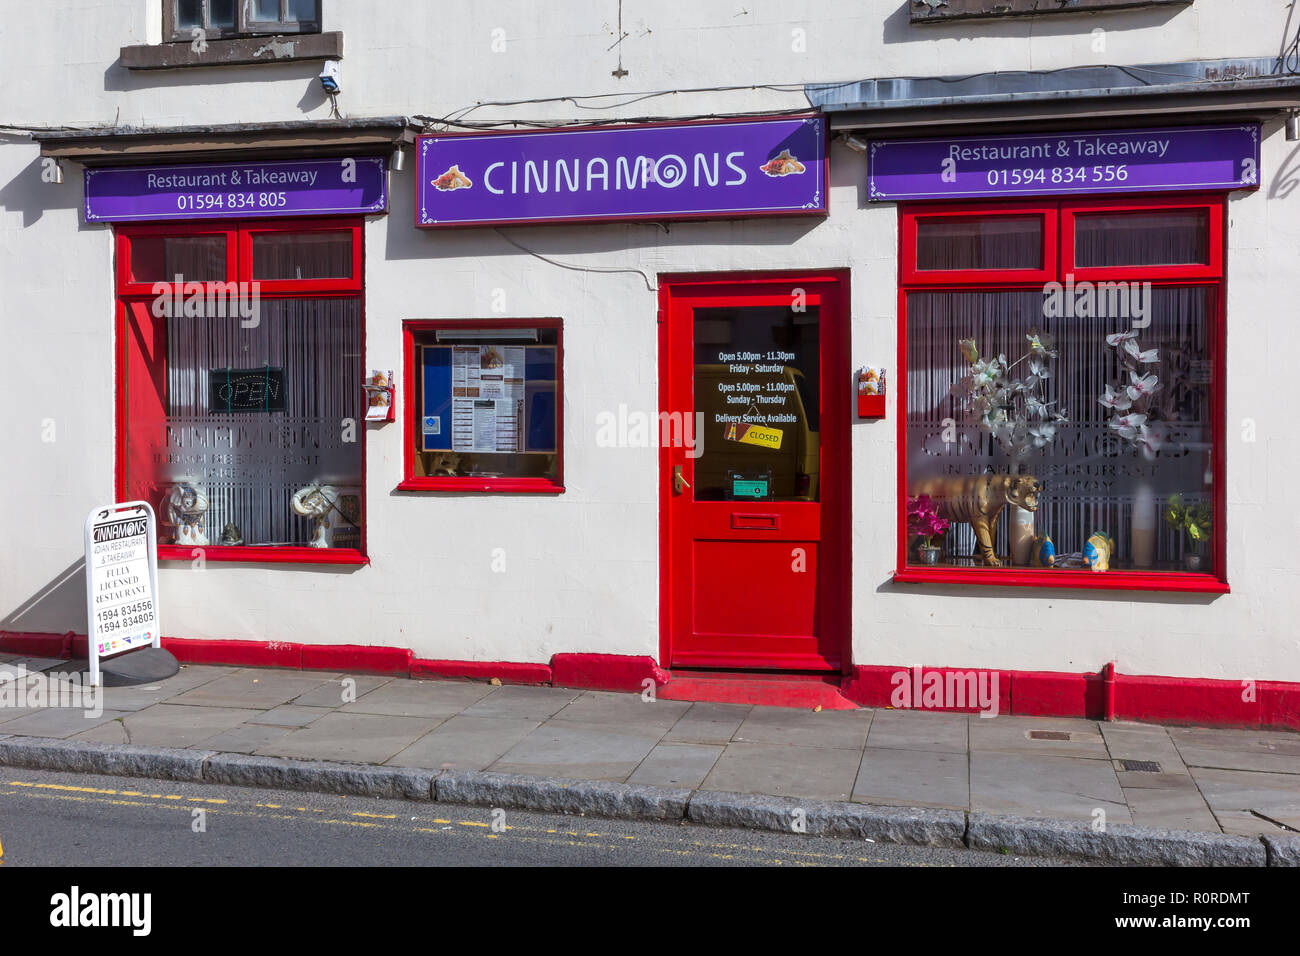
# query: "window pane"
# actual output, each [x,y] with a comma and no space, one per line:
[221,13]
[304,11]
[1008,242]
[1172,237]
[757,384]
[189,14]
[240,435]
[266,10]
[308,255]
[163,258]
[488,404]
[1136,442]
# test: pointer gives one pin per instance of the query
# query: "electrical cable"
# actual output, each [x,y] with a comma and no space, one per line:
[1288,60]
[650,286]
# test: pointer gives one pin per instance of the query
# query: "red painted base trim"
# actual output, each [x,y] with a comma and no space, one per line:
[1167,700]
[1178,700]
[235,653]
[354,657]
[508,672]
[606,671]
[36,645]
[1150,699]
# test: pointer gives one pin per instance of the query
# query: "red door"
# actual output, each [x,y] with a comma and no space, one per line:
[754,401]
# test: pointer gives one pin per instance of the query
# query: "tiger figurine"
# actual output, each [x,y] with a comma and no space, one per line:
[978,500]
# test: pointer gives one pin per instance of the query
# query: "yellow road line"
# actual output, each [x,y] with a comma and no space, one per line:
[696,847]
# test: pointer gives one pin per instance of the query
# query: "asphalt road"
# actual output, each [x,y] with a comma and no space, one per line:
[70,820]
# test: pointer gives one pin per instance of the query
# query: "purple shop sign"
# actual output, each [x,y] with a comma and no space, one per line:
[703,170]
[309,187]
[1053,164]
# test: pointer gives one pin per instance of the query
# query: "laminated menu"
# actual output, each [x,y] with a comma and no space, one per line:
[487,408]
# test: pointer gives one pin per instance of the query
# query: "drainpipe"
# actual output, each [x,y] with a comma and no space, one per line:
[1108,690]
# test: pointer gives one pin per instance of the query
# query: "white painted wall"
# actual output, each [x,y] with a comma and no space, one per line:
[582,568]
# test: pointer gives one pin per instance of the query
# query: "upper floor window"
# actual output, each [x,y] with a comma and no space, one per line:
[234,18]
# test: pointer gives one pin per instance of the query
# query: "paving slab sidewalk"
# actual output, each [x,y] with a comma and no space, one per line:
[473,737]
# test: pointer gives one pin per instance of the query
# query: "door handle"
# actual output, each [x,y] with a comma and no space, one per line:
[680,483]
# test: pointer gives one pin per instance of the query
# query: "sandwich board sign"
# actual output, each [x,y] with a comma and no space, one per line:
[121,581]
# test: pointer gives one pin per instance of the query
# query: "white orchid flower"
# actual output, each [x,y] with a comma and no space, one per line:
[1043,434]
[1119,401]
[1142,386]
[1148,357]
[1128,425]
[1119,338]
[1150,438]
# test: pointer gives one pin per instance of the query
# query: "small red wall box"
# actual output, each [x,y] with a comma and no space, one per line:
[379,391]
[871,392]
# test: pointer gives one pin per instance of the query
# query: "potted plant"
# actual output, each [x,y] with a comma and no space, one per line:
[924,523]
[1196,521]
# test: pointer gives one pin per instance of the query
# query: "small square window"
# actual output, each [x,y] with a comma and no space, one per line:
[486,406]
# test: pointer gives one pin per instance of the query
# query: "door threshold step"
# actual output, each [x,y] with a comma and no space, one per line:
[776,690]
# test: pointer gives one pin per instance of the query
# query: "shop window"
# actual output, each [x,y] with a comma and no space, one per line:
[233,18]
[241,402]
[162,258]
[1000,243]
[484,406]
[1058,430]
[302,255]
[986,242]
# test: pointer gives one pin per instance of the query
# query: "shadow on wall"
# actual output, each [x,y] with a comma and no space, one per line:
[118,78]
[898,26]
[58,607]
[28,194]
[1287,177]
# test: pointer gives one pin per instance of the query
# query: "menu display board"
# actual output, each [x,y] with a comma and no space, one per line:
[488,398]
[121,580]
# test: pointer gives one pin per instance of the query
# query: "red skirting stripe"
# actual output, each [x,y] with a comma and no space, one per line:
[362,659]
[235,653]
[1185,700]
[36,644]
[606,671]
[508,672]
[1051,694]
[1174,700]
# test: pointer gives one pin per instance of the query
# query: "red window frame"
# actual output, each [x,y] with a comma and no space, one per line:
[411,329]
[132,293]
[1210,275]
[1003,210]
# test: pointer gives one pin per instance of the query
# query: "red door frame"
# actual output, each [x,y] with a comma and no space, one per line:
[1063,212]
[835,564]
